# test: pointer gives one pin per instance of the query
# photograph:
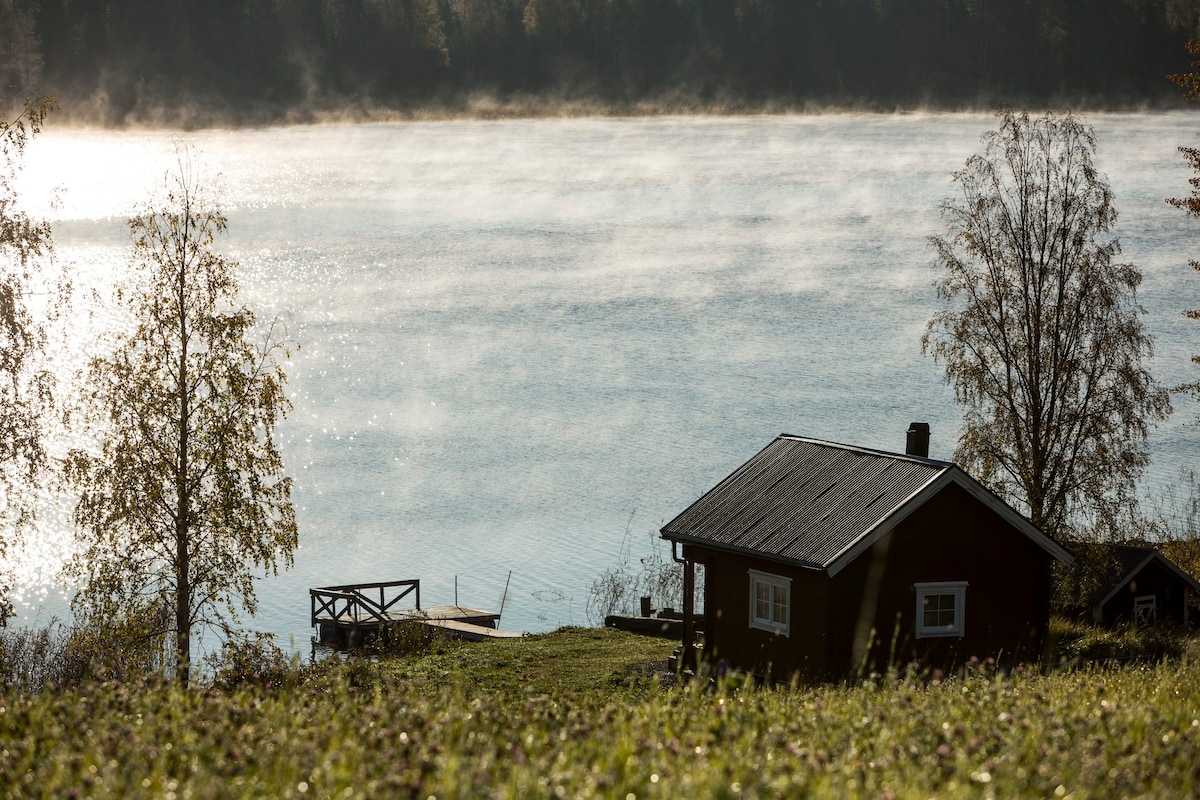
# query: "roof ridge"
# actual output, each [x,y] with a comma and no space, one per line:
[869,450]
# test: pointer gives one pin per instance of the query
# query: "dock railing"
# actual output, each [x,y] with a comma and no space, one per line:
[352,604]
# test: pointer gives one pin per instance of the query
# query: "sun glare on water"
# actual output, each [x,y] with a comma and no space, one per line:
[89,175]
[85,183]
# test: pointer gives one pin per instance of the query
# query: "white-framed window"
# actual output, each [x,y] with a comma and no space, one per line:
[1145,610]
[770,602]
[941,608]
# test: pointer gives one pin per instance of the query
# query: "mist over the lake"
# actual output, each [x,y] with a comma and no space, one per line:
[520,339]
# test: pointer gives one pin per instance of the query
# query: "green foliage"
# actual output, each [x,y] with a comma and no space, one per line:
[355,731]
[184,501]
[1040,332]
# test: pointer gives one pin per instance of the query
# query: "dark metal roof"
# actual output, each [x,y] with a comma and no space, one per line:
[805,501]
[1125,562]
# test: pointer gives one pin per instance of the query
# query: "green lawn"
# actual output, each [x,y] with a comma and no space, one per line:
[566,714]
[568,660]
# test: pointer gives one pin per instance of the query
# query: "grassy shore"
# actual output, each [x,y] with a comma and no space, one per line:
[581,713]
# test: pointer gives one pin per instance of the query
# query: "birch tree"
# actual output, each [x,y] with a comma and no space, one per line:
[1040,331]
[184,502]
[26,399]
[1191,204]
[1178,517]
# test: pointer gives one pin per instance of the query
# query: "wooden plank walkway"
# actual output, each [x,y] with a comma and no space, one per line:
[460,613]
[349,615]
[468,631]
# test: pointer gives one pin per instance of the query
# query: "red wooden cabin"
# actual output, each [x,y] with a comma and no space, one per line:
[823,559]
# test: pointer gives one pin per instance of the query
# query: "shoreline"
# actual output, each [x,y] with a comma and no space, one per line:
[95,113]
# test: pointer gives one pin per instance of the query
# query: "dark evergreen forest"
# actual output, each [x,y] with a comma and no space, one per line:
[124,60]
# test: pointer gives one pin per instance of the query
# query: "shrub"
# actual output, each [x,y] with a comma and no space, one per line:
[656,575]
[406,637]
[252,658]
[28,657]
[32,659]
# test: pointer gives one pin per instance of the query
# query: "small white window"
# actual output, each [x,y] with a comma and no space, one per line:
[941,608]
[1145,610]
[770,602]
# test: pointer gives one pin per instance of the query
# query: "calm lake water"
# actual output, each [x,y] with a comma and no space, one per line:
[521,340]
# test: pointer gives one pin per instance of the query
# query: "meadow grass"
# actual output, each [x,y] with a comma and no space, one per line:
[567,715]
[568,660]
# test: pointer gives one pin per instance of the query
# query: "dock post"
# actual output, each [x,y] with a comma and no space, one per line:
[504,597]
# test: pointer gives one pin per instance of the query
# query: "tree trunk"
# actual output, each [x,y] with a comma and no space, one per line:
[183,633]
[183,587]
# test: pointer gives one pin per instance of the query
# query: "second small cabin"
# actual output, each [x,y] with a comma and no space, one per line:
[1133,585]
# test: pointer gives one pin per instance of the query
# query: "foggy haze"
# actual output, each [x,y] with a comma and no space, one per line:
[519,338]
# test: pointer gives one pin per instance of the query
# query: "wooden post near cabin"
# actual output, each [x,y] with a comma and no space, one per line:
[689,613]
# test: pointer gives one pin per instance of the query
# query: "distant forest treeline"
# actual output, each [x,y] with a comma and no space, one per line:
[129,59]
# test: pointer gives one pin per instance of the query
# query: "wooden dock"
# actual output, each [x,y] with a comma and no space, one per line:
[467,630]
[352,614]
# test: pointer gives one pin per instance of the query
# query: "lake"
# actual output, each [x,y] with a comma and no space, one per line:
[524,341]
